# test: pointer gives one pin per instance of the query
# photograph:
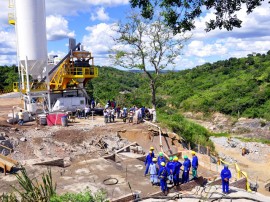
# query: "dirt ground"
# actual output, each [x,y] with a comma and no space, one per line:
[88,168]
[257,172]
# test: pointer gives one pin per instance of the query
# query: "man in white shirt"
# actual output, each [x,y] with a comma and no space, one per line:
[20,114]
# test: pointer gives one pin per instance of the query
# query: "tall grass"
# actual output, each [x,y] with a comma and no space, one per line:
[190,131]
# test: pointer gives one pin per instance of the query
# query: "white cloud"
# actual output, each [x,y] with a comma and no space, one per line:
[57,28]
[100,15]
[253,36]
[7,43]
[8,60]
[100,39]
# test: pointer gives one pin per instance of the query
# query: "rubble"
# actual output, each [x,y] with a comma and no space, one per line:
[255,151]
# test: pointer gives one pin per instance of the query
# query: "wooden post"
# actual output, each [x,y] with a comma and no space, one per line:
[207,150]
[189,148]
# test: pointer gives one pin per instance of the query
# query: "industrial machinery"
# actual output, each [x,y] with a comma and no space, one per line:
[42,81]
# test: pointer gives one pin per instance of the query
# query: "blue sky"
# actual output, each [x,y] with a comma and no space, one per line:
[89,21]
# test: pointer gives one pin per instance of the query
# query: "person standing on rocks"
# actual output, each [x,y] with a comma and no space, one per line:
[194,164]
[148,161]
[169,167]
[162,175]
[160,159]
[105,113]
[225,177]
[153,172]
[187,165]
[152,149]
[176,171]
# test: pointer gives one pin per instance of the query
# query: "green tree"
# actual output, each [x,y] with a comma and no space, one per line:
[180,14]
[146,45]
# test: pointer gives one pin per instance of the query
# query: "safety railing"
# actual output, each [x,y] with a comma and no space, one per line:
[11,18]
[33,87]
[82,71]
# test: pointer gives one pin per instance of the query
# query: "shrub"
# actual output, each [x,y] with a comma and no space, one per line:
[85,196]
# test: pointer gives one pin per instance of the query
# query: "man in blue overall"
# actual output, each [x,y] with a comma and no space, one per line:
[176,171]
[160,159]
[225,177]
[148,161]
[194,164]
[162,175]
[169,167]
[187,165]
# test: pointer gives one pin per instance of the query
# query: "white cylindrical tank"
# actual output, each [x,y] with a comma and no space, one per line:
[31,34]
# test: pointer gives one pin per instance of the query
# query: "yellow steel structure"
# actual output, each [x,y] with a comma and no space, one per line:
[35,87]
[74,71]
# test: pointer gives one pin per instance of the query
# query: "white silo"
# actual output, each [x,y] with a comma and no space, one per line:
[31,35]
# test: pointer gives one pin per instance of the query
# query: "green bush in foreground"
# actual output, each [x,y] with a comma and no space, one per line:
[85,196]
[32,190]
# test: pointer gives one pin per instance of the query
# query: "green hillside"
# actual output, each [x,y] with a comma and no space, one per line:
[234,87]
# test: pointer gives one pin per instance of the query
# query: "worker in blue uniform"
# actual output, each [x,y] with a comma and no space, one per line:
[225,177]
[153,172]
[169,167]
[176,171]
[162,175]
[161,159]
[195,164]
[187,165]
[152,149]
[148,161]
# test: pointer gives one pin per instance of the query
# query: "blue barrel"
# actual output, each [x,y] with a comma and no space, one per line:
[64,121]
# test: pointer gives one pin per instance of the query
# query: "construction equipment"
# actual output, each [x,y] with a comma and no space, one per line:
[40,80]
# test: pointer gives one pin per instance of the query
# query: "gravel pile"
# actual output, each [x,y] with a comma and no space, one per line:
[255,151]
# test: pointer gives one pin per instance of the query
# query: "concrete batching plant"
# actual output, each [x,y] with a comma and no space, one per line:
[41,81]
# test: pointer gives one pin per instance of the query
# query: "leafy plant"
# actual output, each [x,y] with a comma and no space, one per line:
[32,191]
[85,196]
[8,198]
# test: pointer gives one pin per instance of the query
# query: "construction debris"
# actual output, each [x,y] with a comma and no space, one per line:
[252,150]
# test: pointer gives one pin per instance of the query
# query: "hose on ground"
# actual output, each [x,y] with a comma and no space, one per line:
[110,181]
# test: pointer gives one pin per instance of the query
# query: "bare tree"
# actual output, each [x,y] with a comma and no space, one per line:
[147,45]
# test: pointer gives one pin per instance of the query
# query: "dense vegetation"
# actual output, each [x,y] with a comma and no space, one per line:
[233,87]
[237,87]
[8,75]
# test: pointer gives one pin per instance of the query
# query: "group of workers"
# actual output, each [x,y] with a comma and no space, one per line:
[162,171]
[130,115]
